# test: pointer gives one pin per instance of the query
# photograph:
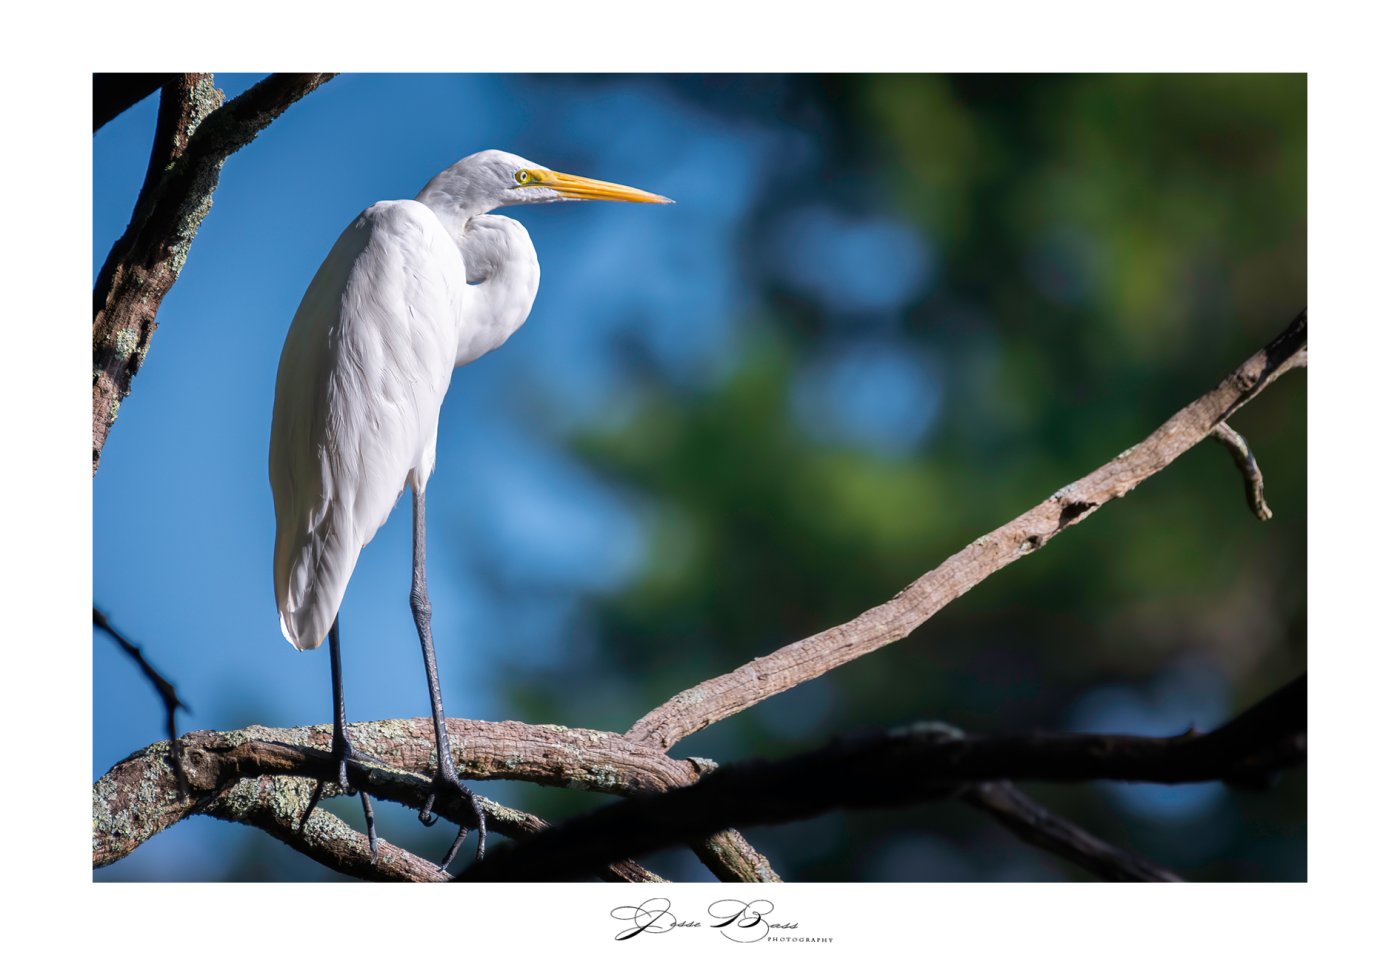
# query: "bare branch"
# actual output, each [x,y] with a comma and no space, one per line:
[194,136]
[137,798]
[1249,469]
[723,696]
[115,93]
[169,697]
[519,825]
[731,858]
[1010,807]
[916,764]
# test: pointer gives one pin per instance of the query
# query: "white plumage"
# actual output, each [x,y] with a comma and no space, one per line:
[410,290]
[363,374]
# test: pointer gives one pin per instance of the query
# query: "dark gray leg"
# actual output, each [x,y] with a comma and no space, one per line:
[341,748]
[445,779]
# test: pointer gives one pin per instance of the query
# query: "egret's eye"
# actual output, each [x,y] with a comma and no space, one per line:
[523,178]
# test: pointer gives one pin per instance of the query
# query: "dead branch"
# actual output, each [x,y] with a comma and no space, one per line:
[195,134]
[168,696]
[723,696]
[115,93]
[915,764]
[138,797]
[1033,823]
[1249,469]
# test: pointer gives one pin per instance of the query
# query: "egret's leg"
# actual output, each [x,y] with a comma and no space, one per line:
[445,780]
[341,748]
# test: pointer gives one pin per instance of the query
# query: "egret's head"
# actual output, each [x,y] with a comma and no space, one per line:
[493,178]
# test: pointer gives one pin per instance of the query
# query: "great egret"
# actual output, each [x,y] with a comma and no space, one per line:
[411,289]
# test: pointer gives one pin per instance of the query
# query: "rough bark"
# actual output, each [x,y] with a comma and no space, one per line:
[720,697]
[681,800]
[195,133]
[915,764]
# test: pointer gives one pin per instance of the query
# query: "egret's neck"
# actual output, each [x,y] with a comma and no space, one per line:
[456,199]
[503,275]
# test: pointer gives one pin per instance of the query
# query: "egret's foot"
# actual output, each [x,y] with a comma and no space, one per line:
[347,754]
[450,785]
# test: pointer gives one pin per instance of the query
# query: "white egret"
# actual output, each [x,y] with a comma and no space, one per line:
[411,289]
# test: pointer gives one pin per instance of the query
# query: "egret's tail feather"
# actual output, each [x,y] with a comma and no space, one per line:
[311,585]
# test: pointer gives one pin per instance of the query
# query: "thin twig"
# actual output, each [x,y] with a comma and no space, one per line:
[1010,807]
[1249,469]
[720,697]
[168,696]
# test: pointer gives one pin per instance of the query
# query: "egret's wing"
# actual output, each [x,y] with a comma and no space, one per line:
[363,372]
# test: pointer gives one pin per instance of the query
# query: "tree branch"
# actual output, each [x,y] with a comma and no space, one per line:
[262,777]
[138,798]
[274,805]
[723,696]
[115,93]
[1010,807]
[915,764]
[731,858]
[163,687]
[169,698]
[194,136]
[1249,469]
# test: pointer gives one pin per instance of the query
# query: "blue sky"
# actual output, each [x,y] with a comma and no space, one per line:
[183,522]
[182,512]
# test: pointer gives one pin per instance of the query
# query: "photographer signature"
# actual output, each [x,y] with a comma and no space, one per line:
[739,921]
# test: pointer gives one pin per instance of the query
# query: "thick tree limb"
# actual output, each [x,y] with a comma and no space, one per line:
[274,805]
[916,764]
[261,776]
[195,134]
[115,93]
[723,696]
[138,797]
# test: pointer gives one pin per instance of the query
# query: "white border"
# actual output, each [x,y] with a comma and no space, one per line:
[1351,573]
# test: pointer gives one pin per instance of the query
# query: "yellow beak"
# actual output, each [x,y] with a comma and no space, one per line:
[577,187]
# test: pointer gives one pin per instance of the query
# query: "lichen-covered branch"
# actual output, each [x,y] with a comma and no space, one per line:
[733,859]
[911,765]
[761,678]
[680,801]
[138,797]
[275,804]
[195,133]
